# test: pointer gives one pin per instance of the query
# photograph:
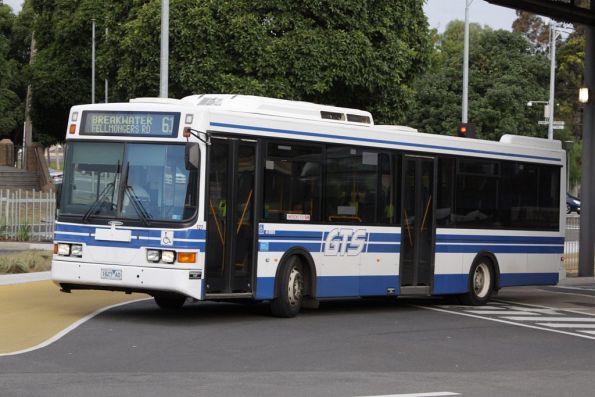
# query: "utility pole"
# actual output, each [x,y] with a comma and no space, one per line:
[164,58]
[554,34]
[464,115]
[28,127]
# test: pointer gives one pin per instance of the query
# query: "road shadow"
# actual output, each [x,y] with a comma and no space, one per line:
[195,313]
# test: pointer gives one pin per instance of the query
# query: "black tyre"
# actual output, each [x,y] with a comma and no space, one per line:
[481,283]
[170,301]
[568,209]
[291,289]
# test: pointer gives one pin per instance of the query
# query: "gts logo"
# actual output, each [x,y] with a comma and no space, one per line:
[343,242]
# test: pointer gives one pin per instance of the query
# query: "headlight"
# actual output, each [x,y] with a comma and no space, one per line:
[168,256]
[64,249]
[76,250]
[153,255]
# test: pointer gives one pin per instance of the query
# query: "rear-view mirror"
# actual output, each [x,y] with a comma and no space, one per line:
[192,156]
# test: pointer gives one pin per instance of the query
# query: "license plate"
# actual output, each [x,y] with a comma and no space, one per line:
[111,274]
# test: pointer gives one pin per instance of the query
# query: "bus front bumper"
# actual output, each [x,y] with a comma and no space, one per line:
[151,280]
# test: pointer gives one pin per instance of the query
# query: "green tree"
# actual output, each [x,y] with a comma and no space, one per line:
[362,54]
[10,102]
[504,74]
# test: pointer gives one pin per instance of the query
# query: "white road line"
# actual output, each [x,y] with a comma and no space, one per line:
[558,325]
[486,307]
[511,312]
[568,310]
[70,328]
[436,394]
[589,332]
[437,309]
[561,318]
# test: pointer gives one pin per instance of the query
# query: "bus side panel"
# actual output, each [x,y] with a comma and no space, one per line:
[531,258]
[350,260]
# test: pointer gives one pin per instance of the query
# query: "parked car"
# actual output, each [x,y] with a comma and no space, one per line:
[572,204]
[56,175]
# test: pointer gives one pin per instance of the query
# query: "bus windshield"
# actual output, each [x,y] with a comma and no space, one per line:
[142,182]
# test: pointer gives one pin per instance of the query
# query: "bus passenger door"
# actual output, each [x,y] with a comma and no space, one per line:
[418,225]
[230,216]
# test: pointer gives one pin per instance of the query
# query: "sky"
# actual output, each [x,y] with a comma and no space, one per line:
[439,13]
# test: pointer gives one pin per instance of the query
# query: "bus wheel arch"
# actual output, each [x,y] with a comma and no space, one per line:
[308,267]
[483,280]
[292,284]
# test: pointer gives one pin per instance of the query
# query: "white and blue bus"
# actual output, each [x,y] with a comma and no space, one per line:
[216,197]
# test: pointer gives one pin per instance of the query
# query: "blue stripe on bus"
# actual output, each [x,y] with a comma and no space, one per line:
[134,242]
[282,246]
[500,249]
[444,284]
[184,234]
[337,286]
[463,238]
[383,248]
[381,141]
[385,237]
[511,279]
[299,235]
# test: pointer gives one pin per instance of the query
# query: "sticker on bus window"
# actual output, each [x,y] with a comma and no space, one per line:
[298,217]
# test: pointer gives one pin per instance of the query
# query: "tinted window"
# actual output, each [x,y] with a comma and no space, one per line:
[445,192]
[352,184]
[292,182]
[477,192]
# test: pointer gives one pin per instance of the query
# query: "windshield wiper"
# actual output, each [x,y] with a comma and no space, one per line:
[138,206]
[104,193]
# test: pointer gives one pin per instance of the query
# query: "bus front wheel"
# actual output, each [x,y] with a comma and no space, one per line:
[481,283]
[291,290]
[170,301]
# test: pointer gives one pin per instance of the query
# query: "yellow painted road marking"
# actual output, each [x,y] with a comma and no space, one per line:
[32,313]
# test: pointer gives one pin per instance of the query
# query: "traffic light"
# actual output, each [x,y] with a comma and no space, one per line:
[466,130]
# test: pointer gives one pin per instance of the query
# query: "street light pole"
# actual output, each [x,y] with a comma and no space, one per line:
[164,58]
[464,115]
[93,62]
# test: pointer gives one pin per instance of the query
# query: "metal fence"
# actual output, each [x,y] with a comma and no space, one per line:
[571,244]
[27,215]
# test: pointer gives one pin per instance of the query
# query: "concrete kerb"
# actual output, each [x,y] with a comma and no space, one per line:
[12,279]
[24,246]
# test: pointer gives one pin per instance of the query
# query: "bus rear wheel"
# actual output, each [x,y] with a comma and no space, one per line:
[170,301]
[291,290]
[481,283]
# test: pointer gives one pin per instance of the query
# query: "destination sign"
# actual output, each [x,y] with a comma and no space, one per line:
[140,124]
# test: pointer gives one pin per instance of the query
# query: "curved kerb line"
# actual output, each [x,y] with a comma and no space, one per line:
[70,328]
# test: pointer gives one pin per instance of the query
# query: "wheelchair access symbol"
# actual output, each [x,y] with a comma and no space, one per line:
[167,238]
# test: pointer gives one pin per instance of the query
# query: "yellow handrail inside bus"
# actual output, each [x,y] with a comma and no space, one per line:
[244,212]
[217,223]
[423,222]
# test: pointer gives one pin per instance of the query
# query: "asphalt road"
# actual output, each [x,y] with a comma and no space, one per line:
[345,348]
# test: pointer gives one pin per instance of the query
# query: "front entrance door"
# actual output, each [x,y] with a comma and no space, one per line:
[230,220]
[417,227]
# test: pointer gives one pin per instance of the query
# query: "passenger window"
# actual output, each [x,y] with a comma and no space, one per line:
[292,182]
[352,183]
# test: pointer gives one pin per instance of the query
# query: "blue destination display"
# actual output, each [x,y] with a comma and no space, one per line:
[143,124]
